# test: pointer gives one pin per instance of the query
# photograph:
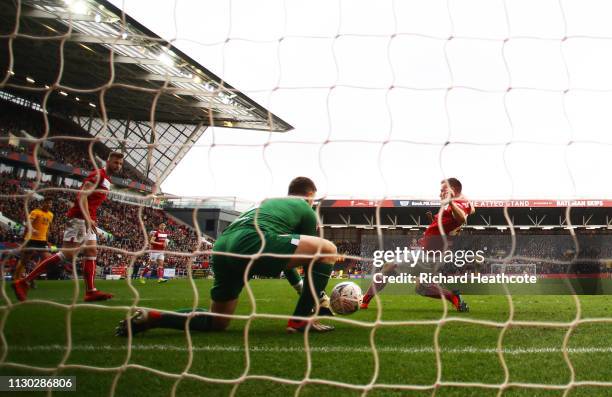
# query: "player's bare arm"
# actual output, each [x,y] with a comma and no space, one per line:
[449,194]
[458,213]
[86,190]
[33,218]
[429,216]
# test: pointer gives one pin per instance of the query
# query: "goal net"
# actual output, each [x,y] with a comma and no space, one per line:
[217,106]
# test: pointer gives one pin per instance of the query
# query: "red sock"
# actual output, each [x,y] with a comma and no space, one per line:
[89,272]
[43,265]
[367,298]
[160,272]
[155,315]
[435,291]
[454,300]
[145,271]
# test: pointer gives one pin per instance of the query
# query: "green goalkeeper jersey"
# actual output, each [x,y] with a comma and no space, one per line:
[279,216]
[281,222]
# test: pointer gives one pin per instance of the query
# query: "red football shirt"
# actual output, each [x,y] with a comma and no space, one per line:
[102,183]
[160,238]
[450,225]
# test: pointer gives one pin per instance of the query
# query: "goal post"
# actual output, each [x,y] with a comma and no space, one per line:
[514,268]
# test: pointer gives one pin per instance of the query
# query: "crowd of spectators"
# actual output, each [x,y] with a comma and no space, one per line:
[549,253]
[69,151]
[129,224]
[10,234]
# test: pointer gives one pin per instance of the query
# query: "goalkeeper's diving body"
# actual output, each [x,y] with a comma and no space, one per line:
[289,228]
[448,222]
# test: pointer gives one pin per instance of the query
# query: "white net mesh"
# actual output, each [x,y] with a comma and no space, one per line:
[386,90]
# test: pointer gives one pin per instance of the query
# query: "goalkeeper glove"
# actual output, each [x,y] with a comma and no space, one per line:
[324,305]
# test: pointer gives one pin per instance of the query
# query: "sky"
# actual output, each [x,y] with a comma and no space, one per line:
[388,98]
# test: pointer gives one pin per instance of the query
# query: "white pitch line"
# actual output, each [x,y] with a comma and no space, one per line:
[328,349]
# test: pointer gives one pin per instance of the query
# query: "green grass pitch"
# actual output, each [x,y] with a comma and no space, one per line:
[36,335]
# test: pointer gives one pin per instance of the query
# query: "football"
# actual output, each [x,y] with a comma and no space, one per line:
[346,298]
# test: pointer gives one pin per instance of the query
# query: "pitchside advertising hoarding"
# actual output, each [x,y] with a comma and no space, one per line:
[531,203]
[118,272]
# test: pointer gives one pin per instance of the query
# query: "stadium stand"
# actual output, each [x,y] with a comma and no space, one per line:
[24,126]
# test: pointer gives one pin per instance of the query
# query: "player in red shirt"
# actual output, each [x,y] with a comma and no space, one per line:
[450,219]
[80,233]
[159,242]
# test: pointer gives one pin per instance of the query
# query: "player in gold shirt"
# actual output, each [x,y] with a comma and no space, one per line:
[36,237]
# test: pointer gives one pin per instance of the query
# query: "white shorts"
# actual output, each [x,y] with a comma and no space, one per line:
[76,232]
[155,256]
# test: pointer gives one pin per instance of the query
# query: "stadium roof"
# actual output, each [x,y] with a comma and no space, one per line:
[96,57]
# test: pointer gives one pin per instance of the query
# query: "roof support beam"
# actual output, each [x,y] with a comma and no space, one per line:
[159,77]
[347,220]
[183,91]
[86,38]
[416,221]
[487,220]
[214,106]
[67,16]
[132,60]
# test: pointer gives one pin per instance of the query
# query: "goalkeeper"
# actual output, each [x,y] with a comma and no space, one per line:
[289,228]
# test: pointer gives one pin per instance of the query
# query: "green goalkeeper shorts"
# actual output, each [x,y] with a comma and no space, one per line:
[229,271]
